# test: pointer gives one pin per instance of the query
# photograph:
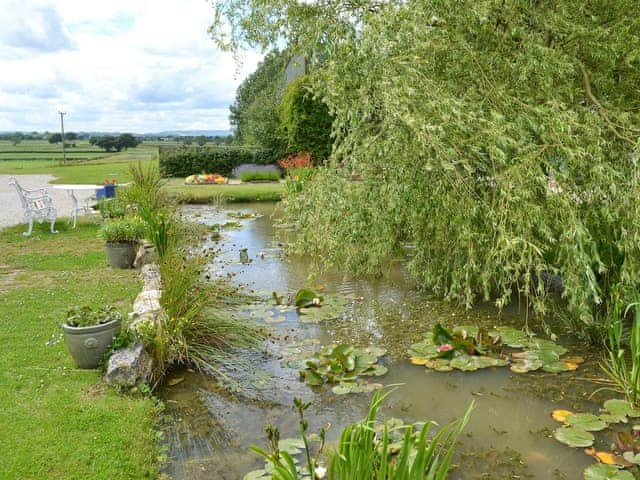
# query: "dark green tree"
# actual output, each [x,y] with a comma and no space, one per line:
[305,123]
[55,138]
[254,114]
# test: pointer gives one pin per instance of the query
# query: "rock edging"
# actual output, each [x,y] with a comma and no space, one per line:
[132,366]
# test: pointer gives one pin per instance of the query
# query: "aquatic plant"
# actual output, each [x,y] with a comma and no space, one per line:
[469,348]
[367,450]
[343,365]
[579,430]
[624,369]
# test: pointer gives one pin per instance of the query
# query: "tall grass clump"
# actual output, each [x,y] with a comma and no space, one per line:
[622,366]
[193,329]
[259,176]
[365,450]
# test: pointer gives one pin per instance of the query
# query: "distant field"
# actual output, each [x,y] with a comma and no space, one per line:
[94,170]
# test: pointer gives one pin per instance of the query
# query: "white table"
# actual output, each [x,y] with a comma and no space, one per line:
[71,188]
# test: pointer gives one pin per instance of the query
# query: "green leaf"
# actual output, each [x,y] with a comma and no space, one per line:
[600,471]
[586,421]
[574,436]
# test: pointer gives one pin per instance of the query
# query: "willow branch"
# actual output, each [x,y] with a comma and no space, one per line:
[598,105]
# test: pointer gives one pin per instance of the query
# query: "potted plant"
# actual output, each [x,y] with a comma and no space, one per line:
[89,333]
[110,187]
[121,238]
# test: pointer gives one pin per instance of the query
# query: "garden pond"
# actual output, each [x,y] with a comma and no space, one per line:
[210,428]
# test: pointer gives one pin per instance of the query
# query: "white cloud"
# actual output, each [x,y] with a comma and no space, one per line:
[137,65]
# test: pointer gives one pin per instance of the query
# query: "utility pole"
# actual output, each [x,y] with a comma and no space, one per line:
[64,155]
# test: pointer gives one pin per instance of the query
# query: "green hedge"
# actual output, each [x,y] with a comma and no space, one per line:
[185,161]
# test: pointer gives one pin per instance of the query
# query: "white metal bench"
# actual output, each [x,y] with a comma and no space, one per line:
[37,204]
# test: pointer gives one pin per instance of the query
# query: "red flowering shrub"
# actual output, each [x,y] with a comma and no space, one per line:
[296,160]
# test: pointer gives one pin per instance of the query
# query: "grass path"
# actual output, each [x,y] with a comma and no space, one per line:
[59,422]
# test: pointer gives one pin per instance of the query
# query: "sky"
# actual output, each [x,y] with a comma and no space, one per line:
[114,65]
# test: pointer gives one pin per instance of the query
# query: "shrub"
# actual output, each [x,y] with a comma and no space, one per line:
[245,167]
[123,230]
[112,208]
[296,160]
[258,176]
[185,161]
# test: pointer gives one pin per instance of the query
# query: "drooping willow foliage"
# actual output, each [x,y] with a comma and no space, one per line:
[501,138]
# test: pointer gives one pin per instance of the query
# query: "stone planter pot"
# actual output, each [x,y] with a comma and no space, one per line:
[121,254]
[88,345]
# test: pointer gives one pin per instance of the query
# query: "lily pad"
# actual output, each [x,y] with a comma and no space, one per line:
[511,336]
[632,457]
[620,408]
[470,363]
[600,471]
[586,421]
[574,436]
[292,446]
[439,365]
[355,387]
[560,415]
[526,364]
[261,474]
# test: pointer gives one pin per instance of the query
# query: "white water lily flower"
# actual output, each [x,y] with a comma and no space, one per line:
[320,472]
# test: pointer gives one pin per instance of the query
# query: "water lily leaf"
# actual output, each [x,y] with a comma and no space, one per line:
[311,377]
[419,360]
[631,457]
[511,336]
[525,365]
[439,365]
[610,418]
[576,359]
[560,415]
[557,367]
[374,351]
[573,436]
[470,363]
[619,407]
[354,387]
[600,471]
[586,421]
[261,474]
[292,446]
[424,349]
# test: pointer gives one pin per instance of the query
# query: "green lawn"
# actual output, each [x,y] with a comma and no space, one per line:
[115,165]
[59,422]
[248,192]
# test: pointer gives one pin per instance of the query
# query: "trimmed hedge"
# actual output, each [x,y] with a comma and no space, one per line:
[185,161]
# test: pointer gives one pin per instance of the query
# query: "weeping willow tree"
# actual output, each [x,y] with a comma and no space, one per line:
[500,138]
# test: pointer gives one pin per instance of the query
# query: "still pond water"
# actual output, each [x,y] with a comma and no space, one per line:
[508,436]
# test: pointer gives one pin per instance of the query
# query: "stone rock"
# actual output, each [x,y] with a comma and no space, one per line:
[146,255]
[150,274]
[129,367]
[147,301]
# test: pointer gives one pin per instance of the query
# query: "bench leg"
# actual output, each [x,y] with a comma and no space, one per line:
[30,229]
[52,218]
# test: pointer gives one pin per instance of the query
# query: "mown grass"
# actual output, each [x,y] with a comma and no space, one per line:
[259,192]
[115,165]
[59,422]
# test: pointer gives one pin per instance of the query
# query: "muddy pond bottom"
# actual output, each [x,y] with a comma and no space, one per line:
[211,429]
